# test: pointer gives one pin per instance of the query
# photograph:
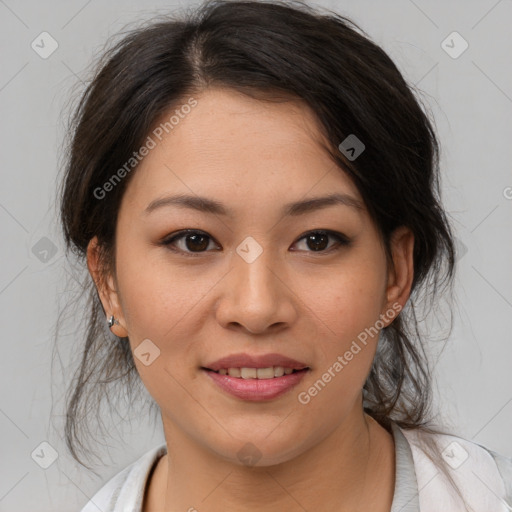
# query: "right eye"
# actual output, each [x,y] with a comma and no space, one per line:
[193,242]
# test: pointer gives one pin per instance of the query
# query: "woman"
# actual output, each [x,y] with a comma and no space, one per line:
[255,192]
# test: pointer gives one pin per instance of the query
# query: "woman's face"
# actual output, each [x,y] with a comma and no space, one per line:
[256,278]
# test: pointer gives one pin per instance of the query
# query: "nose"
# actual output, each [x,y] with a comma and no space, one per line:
[255,296]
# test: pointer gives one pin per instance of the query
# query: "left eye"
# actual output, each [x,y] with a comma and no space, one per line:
[319,239]
[195,242]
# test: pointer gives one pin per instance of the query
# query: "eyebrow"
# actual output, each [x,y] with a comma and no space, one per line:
[206,205]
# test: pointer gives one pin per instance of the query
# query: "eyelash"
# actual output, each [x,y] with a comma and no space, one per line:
[342,241]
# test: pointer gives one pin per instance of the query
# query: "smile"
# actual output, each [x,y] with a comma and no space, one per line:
[257,373]
[256,384]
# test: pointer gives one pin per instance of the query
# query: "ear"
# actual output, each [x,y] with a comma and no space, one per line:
[106,288]
[401,271]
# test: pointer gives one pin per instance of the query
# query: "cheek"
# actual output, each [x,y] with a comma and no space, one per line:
[353,300]
[159,303]
[347,337]
[155,294]
[346,344]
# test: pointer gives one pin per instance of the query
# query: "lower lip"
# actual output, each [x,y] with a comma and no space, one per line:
[256,389]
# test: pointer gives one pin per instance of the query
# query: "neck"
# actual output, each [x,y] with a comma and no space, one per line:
[351,468]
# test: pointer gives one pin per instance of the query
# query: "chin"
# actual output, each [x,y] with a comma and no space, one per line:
[254,451]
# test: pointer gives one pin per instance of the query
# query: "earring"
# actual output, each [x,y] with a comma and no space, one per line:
[111,321]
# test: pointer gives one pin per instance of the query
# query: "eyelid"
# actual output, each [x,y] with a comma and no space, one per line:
[342,240]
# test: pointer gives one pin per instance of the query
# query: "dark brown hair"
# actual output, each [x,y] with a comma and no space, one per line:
[266,50]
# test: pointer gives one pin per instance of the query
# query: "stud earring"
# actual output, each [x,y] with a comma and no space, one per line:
[111,321]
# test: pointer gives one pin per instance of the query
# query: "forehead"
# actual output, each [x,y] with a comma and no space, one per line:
[238,149]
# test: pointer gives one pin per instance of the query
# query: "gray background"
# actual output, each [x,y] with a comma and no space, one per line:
[471,98]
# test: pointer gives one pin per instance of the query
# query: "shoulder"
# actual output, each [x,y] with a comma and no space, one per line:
[483,477]
[126,488]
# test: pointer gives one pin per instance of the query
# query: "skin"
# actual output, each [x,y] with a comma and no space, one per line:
[253,157]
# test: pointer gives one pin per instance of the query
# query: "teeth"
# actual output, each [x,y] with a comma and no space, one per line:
[265,373]
[234,372]
[278,371]
[256,373]
[248,373]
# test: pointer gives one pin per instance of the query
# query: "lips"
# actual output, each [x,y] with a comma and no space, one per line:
[256,377]
[255,361]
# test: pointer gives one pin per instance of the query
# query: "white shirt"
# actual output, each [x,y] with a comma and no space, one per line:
[483,476]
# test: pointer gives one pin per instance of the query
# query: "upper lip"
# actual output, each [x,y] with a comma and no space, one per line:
[255,361]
